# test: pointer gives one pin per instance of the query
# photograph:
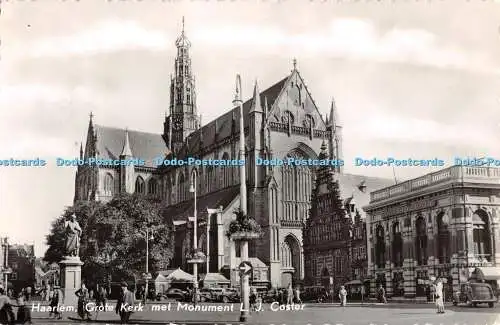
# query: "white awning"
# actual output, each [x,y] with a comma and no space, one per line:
[354,282]
[487,273]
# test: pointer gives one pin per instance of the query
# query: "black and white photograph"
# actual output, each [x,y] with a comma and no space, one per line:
[279,162]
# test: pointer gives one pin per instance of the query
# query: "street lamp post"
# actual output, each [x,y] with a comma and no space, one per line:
[192,189]
[244,278]
[147,276]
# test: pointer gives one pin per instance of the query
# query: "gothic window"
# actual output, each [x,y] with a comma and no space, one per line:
[210,178]
[287,118]
[380,247]
[397,245]
[168,189]
[179,96]
[140,186]
[308,121]
[421,241]
[225,172]
[481,235]
[297,187]
[443,238]
[181,188]
[109,185]
[153,187]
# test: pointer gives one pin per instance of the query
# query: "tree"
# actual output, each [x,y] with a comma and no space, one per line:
[113,239]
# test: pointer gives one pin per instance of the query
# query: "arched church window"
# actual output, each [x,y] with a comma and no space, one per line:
[181,188]
[153,187]
[380,247]
[226,172]
[481,235]
[140,186]
[421,241]
[397,245]
[168,190]
[287,118]
[109,185]
[297,187]
[308,121]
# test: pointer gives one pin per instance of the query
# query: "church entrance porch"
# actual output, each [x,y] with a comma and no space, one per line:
[290,261]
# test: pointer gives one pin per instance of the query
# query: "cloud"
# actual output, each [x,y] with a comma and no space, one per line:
[379,125]
[352,38]
[106,36]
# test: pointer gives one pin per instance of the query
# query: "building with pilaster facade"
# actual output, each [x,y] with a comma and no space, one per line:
[334,234]
[444,224]
[280,122]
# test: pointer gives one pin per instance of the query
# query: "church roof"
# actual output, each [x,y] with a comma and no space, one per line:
[227,124]
[183,210]
[351,187]
[110,143]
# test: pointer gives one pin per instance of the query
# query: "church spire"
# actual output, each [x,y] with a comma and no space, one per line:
[126,152]
[183,119]
[256,106]
[334,118]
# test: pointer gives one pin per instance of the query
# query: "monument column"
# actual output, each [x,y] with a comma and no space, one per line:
[71,265]
[71,279]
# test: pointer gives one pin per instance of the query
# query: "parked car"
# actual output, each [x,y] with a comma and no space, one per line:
[314,294]
[175,293]
[473,294]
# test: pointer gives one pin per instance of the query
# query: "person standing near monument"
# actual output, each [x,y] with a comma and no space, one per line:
[83,300]
[126,299]
[73,234]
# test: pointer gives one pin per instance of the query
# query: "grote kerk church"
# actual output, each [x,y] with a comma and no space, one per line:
[280,121]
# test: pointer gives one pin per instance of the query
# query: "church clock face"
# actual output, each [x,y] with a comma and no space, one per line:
[177,124]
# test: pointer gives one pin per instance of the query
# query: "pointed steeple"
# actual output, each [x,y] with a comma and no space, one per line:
[334,119]
[256,106]
[126,152]
[81,150]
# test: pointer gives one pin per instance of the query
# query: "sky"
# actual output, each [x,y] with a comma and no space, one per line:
[411,79]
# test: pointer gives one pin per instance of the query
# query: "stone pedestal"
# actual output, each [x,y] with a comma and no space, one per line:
[71,279]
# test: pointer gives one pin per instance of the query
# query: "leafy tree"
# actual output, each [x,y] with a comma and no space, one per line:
[113,239]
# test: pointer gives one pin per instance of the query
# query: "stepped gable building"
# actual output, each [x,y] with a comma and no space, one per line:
[335,233]
[444,224]
[281,121]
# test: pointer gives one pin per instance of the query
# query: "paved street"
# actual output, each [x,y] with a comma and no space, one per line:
[397,314]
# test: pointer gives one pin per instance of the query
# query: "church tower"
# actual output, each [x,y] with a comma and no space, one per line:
[182,119]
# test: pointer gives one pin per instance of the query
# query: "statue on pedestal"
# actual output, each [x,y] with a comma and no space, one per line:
[73,233]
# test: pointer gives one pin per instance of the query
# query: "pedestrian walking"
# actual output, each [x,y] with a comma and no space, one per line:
[23,312]
[126,298]
[289,292]
[297,295]
[381,294]
[439,296]
[6,314]
[343,296]
[101,297]
[56,300]
[253,299]
[83,299]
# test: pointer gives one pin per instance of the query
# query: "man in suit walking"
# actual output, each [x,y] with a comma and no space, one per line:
[125,301]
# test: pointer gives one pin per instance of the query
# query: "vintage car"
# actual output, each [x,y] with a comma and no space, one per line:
[474,293]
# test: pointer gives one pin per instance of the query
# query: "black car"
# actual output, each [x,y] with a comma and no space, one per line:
[172,293]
